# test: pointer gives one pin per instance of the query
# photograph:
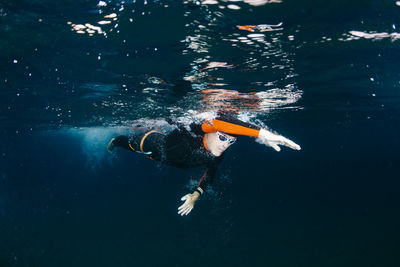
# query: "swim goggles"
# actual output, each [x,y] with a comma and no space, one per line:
[224,138]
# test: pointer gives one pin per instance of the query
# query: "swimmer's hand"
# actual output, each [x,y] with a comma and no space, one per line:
[275,140]
[190,200]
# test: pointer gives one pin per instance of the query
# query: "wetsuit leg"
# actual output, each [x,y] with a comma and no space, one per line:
[122,141]
[131,143]
[153,142]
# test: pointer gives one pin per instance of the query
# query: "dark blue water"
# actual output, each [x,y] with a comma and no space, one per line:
[322,73]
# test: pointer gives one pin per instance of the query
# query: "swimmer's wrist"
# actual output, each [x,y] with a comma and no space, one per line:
[199,191]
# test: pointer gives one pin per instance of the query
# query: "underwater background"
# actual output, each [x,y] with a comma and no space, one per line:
[75,73]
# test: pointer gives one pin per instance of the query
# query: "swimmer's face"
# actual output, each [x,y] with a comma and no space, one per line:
[218,142]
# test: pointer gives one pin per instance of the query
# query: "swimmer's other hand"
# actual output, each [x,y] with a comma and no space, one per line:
[275,140]
[190,200]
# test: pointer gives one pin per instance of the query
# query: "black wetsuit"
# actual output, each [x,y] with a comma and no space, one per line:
[184,148]
[180,148]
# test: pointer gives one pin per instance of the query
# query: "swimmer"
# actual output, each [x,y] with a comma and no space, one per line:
[202,144]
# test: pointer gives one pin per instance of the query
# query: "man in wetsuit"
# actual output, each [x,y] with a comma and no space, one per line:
[202,144]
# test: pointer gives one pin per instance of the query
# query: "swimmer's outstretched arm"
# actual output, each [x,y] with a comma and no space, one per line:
[234,126]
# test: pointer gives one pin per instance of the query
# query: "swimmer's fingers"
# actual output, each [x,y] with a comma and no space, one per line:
[186,210]
[276,147]
[282,141]
[275,140]
[289,143]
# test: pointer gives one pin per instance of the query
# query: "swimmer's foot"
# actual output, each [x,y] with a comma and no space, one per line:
[110,146]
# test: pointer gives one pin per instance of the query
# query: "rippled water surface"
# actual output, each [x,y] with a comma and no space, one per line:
[325,74]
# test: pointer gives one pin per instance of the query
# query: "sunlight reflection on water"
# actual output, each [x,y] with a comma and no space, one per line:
[259,48]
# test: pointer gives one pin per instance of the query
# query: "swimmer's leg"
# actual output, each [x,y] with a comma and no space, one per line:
[120,141]
[150,143]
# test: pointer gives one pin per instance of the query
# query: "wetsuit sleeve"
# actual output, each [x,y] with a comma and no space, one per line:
[208,177]
[230,125]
